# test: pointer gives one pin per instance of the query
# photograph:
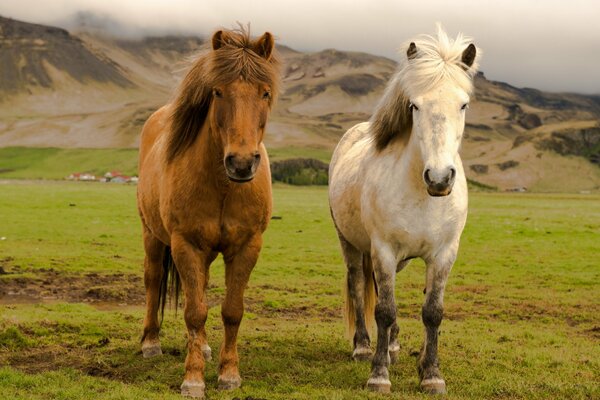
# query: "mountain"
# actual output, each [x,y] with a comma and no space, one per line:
[37,55]
[88,89]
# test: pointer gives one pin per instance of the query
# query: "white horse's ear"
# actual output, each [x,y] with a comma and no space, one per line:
[412,51]
[468,56]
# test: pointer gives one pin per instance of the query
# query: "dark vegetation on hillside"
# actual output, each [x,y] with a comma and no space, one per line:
[300,171]
[308,171]
[353,85]
[580,142]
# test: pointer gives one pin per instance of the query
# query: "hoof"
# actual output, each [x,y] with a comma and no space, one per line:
[229,383]
[379,385]
[362,354]
[207,352]
[151,350]
[433,386]
[193,389]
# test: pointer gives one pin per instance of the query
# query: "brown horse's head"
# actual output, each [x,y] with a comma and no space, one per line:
[240,108]
[231,87]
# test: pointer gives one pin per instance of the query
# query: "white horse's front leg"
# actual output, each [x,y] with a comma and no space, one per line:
[384,266]
[438,270]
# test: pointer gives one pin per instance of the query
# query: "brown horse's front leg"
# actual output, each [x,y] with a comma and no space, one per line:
[238,267]
[192,265]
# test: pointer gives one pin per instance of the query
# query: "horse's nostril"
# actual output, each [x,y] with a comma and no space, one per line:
[452,173]
[229,160]
[427,177]
[257,157]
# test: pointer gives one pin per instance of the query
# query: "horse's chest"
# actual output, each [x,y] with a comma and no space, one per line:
[238,224]
[417,227]
[227,223]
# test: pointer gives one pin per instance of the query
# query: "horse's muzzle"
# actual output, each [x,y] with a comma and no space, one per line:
[241,169]
[439,185]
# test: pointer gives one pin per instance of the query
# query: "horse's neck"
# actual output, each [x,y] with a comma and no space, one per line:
[407,160]
[205,156]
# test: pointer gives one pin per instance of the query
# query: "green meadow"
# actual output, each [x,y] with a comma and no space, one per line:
[521,309]
[57,163]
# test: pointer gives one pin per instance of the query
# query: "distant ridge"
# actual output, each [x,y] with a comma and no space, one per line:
[93,89]
[29,51]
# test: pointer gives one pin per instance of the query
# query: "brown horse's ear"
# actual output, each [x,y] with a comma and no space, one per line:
[218,40]
[264,45]
[468,56]
[412,51]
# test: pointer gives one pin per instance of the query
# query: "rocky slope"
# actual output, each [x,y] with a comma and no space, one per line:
[89,90]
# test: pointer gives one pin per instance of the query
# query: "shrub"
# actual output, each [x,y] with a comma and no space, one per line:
[300,171]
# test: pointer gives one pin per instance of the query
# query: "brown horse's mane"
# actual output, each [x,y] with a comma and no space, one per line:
[392,117]
[236,58]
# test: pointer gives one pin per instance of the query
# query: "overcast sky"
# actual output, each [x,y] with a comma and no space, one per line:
[547,44]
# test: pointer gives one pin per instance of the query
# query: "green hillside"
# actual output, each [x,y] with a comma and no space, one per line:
[55,163]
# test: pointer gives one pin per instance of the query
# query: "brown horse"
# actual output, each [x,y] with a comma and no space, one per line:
[204,189]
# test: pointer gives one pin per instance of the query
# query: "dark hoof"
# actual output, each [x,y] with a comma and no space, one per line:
[362,354]
[229,383]
[379,385]
[193,389]
[151,350]
[433,386]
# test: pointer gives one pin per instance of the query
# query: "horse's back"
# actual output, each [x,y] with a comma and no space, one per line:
[156,125]
[345,182]
[353,135]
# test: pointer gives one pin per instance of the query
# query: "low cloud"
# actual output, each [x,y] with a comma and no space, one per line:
[551,45]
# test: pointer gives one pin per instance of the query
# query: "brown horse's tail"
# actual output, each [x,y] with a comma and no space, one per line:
[369,298]
[170,284]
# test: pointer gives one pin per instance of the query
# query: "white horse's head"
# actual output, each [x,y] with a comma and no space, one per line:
[437,79]
[428,99]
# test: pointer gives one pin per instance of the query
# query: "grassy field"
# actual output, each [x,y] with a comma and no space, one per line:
[55,163]
[521,316]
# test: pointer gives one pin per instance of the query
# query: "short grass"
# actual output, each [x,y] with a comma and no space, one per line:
[521,317]
[55,163]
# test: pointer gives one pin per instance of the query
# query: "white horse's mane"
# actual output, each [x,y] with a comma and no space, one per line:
[437,59]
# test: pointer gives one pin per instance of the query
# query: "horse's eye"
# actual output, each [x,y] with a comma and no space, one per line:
[217,93]
[266,95]
[412,107]
[465,106]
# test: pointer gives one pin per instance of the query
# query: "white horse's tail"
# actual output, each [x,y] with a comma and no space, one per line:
[369,298]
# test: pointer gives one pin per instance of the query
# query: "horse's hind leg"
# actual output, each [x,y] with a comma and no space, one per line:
[153,273]
[432,313]
[394,346]
[357,263]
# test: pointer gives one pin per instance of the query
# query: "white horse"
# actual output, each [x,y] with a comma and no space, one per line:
[398,191]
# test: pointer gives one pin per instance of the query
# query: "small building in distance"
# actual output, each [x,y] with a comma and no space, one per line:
[81,176]
[118,177]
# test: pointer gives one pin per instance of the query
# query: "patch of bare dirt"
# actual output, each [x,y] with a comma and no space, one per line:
[86,360]
[594,332]
[289,312]
[50,284]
